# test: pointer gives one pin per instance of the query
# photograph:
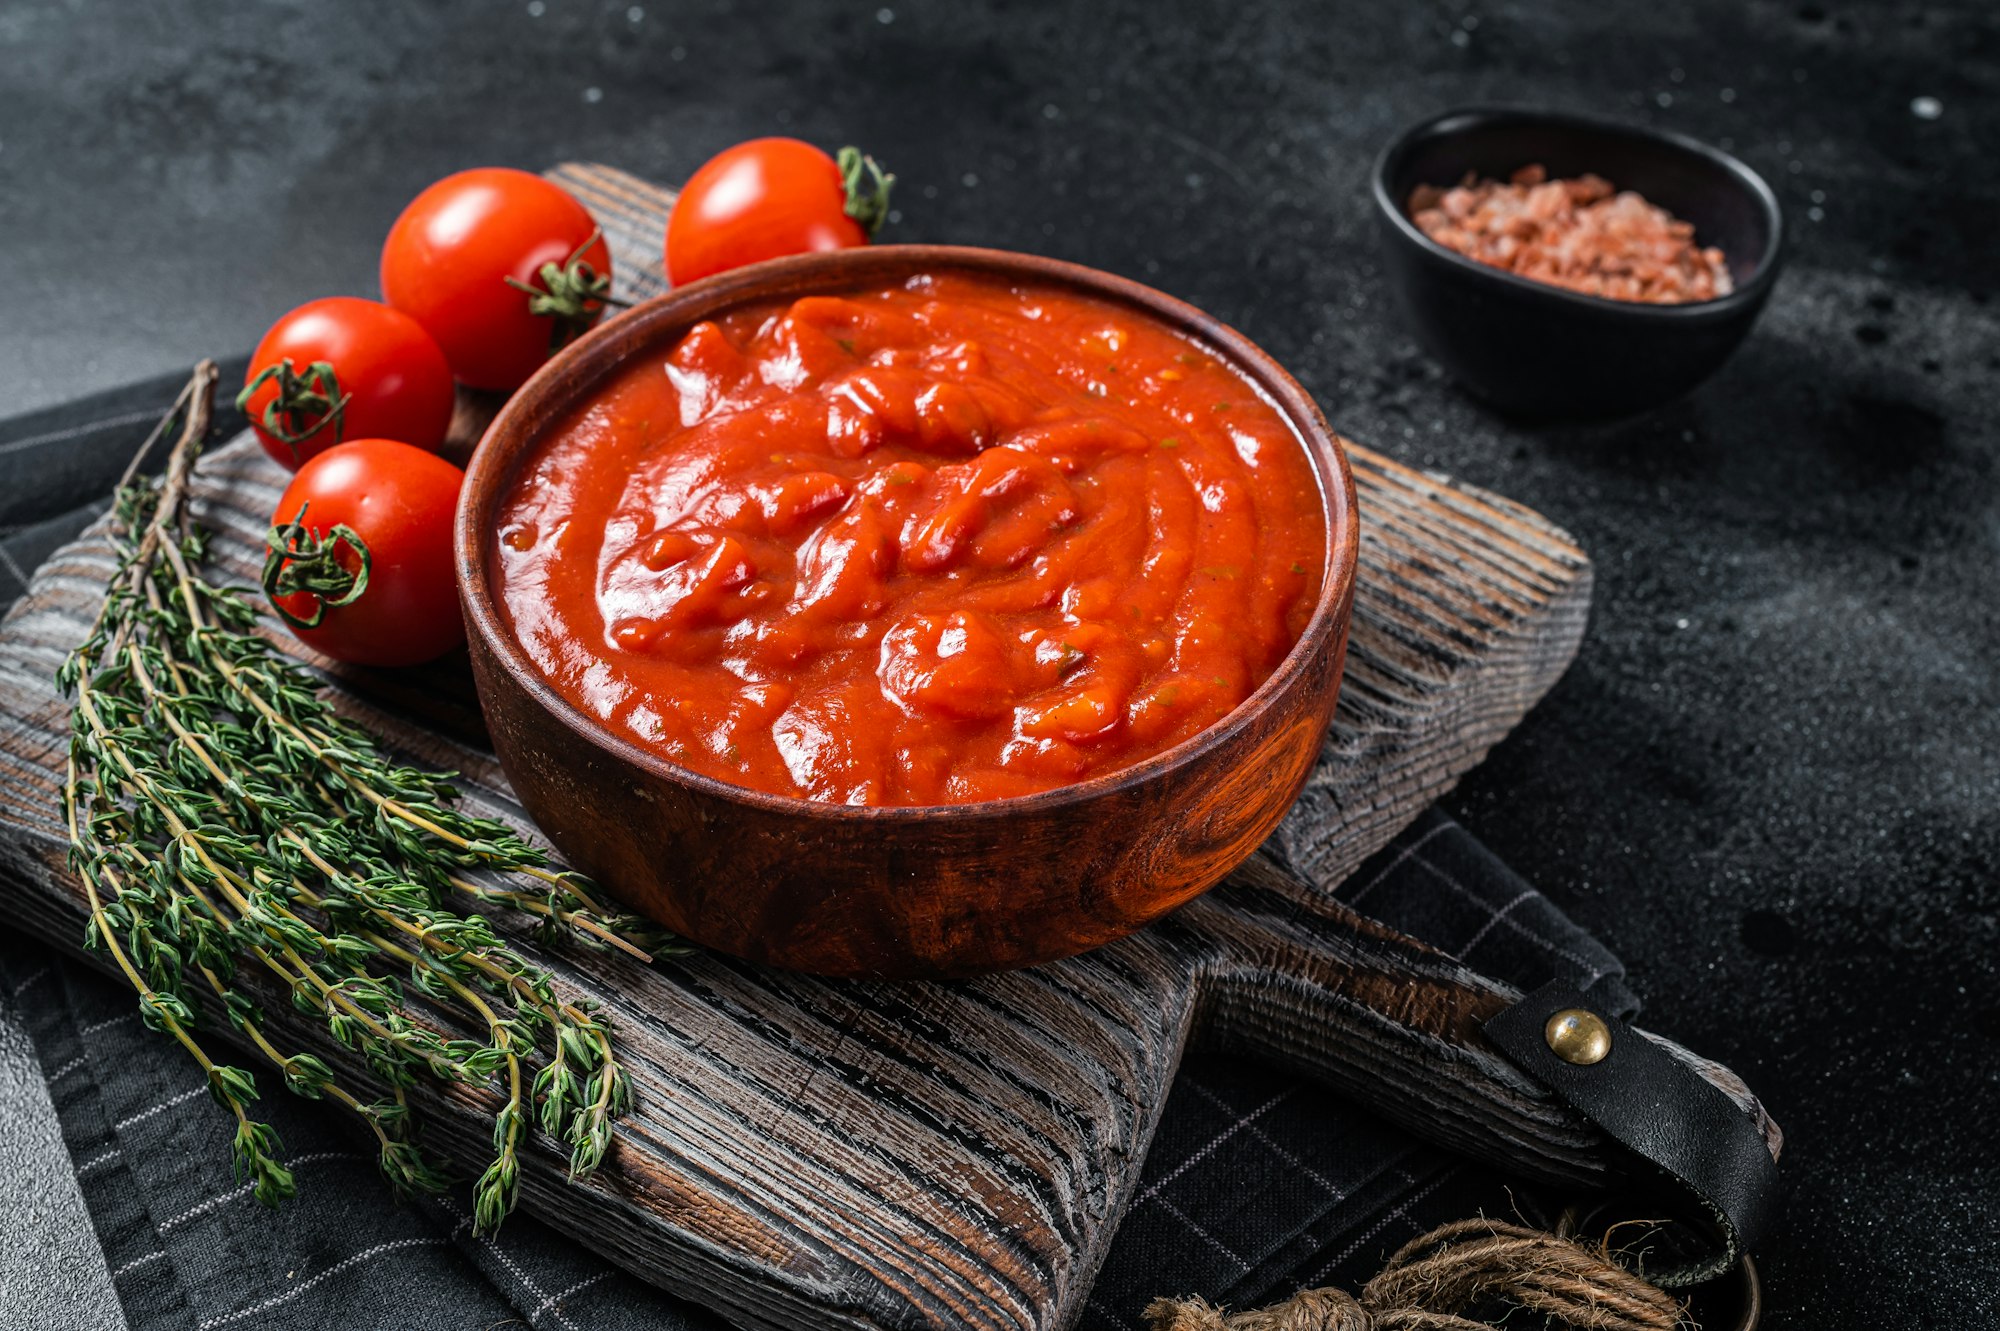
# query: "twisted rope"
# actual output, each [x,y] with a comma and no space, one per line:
[1434,1281]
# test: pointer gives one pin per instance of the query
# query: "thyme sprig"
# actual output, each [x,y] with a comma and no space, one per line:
[223,815]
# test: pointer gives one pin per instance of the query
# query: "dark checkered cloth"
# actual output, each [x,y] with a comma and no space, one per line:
[1257,1184]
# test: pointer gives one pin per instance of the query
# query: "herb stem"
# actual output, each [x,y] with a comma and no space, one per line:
[521,901]
[221,812]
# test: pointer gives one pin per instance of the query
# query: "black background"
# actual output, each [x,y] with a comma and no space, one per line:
[1771,781]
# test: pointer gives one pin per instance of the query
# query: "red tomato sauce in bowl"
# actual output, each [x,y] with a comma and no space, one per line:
[949,541]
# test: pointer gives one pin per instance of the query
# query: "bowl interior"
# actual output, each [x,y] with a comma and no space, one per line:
[571,378]
[1730,205]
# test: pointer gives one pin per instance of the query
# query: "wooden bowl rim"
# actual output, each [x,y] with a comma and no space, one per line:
[572,374]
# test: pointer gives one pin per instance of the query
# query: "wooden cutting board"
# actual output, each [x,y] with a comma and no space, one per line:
[810,1154]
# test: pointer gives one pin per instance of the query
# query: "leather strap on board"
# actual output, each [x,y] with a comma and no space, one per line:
[1712,1158]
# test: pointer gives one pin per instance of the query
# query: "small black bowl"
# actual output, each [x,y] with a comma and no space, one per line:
[1538,350]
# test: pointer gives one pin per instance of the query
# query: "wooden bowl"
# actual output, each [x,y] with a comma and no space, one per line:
[896,891]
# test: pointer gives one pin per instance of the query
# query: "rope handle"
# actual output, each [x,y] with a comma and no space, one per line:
[1435,1281]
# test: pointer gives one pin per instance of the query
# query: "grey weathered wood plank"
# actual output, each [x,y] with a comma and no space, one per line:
[812,1153]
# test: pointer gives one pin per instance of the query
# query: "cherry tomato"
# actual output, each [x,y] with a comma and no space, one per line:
[359,558]
[772,197]
[344,368]
[504,268]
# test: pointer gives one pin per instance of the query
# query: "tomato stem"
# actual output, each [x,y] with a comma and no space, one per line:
[572,293]
[304,404]
[301,560]
[867,186]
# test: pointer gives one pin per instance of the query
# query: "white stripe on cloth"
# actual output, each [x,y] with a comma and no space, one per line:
[108,1022]
[1194,1227]
[1394,1214]
[1493,922]
[1206,1151]
[55,436]
[527,1282]
[138,1262]
[1334,1194]
[1354,901]
[570,1293]
[33,980]
[224,1199]
[1596,972]
[279,1300]
[95,1161]
[160,1108]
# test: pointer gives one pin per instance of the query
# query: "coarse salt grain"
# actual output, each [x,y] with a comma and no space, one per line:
[1579,234]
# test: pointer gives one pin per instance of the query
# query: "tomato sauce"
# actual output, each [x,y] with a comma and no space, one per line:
[949,541]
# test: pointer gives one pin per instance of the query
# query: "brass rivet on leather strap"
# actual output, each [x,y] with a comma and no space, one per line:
[1578,1035]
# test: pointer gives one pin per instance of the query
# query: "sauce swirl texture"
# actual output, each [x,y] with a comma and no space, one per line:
[949,541]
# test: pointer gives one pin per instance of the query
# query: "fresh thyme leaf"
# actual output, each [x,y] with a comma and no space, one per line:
[223,817]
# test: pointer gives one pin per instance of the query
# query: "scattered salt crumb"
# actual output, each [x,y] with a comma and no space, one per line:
[1728,94]
[885,16]
[1677,75]
[1665,99]
[1680,623]
[1817,214]
[636,14]
[593,95]
[1926,108]
[536,8]
[1460,37]
[678,53]
[1050,110]
[968,180]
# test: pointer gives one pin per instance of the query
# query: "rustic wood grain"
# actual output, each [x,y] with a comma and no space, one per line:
[815,1153]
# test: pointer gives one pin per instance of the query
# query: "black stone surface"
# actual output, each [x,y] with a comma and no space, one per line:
[1772,781]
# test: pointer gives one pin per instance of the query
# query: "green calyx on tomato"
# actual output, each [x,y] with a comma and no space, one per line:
[369,372]
[305,404]
[299,561]
[766,198]
[460,254]
[372,516]
[867,186]
[572,294]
